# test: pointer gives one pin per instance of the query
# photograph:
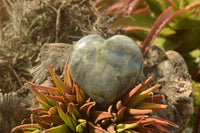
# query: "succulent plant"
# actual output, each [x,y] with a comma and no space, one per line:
[65,107]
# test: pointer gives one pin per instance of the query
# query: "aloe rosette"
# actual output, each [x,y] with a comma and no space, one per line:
[66,108]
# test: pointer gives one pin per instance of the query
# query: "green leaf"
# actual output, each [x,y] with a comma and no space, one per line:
[190,42]
[166,43]
[196,55]
[51,101]
[165,4]
[43,103]
[136,112]
[67,119]
[136,20]
[127,125]
[72,110]
[100,115]
[135,91]
[154,6]
[55,79]
[85,109]
[134,101]
[79,98]
[27,127]
[40,95]
[45,89]
[188,23]
[81,127]
[166,31]
[153,106]
[55,119]
[95,129]
[59,129]
[36,131]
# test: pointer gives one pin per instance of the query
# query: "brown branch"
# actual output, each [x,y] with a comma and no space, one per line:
[197,122]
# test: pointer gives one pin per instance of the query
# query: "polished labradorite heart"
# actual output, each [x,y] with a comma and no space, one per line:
[105,69]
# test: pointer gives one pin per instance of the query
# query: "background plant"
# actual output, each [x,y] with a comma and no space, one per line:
[181,33]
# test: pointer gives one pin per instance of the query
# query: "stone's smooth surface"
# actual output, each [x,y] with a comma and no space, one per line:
[105,69]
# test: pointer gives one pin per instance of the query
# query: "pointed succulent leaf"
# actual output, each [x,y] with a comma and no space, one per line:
[95,129]
[36,131]
[51,101]
[119,105]
[140,97]
[135,91]
[82,94]
[28,127]
[110,108]
[55,119]
[143,129]
[67,77]
[134,117]
[130,131]
[153,98]
[81,127]
[72,110]
[131,93]
[59,129]
[53,75]
[65,88]
[56,98]
[70,98]
[45,89]
[62,114]
[160,121]
[43,103]
[41,96]
[79,98]
[67,119]
[85,108]
[153,106]
[130,111]
[162,129]
[111,129]
[43,124]
[127,125]
[120,115]
[100,115]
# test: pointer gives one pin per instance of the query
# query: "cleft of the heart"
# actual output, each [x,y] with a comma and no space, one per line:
[105,69]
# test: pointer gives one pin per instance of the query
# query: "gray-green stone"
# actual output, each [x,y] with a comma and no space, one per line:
[105,69]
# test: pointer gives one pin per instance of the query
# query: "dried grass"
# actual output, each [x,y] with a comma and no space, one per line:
[33,23]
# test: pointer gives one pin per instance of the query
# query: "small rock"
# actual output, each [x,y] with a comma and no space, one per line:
[105,69]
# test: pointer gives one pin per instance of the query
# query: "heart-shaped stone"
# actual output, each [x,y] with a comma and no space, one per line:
[105,69]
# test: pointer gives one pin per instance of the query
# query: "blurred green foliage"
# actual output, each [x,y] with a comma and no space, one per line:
[180,34]
[196,96]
